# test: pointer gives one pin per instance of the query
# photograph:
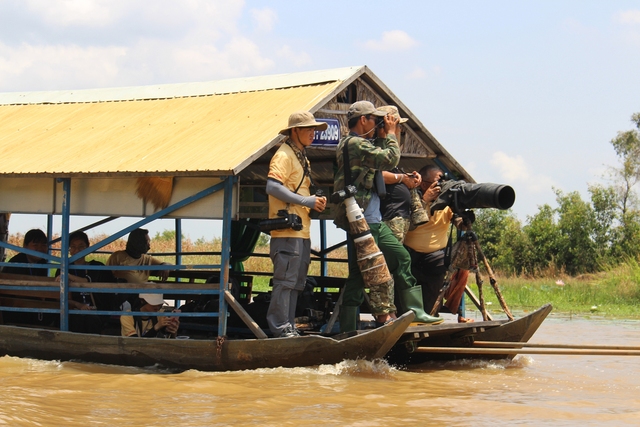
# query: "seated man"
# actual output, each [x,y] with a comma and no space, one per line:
[149,326]
[35,240]
[135,254]
[79,241]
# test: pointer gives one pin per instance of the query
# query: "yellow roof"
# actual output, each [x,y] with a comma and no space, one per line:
[190,129]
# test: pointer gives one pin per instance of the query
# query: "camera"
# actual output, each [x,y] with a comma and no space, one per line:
[461,195]
[286,220]
[342,195]
[443,178]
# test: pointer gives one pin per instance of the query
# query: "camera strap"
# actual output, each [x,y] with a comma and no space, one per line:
[304,162]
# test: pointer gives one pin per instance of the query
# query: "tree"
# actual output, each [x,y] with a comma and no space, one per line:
[576,223]
[502,240]
[605,234]
[627,147]
[544,239]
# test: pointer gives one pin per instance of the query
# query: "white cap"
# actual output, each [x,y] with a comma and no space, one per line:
[153,299]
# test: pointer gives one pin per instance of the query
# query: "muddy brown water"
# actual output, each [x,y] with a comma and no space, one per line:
[540,390]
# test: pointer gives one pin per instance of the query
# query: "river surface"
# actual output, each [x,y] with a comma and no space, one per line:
[539,390]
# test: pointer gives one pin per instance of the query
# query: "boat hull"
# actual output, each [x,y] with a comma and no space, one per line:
[456,335]
[205,355]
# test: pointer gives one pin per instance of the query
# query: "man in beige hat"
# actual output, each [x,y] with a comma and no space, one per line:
[288,184]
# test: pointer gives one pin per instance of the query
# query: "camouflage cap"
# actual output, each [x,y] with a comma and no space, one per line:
[393,110]
[362,108]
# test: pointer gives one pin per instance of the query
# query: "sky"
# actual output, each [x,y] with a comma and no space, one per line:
[525,93]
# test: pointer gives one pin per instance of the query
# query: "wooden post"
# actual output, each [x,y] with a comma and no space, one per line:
[246,318]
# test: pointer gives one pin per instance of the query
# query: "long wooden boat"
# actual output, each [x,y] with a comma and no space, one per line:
[205,355]
[451,341]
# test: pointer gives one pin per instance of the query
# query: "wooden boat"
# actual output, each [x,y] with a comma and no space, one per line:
[451,341]
[205,355]
[176,152]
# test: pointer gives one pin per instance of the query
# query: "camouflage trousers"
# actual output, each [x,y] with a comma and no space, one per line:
[399,227]
[399,263]
[381,298]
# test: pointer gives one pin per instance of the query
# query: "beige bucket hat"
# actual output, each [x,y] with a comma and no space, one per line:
[393,110]
[302,119]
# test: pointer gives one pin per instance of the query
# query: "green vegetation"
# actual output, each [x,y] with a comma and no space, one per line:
[612,293]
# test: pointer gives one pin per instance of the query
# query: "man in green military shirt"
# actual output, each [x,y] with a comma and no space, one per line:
[364,159]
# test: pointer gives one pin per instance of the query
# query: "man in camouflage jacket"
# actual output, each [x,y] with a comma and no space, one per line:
[365,159]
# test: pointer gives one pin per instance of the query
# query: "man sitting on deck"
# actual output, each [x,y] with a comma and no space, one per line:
[135,254]
[35,240]
[148,326]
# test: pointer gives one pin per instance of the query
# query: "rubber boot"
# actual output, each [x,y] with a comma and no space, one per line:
[411,299]
[348,318]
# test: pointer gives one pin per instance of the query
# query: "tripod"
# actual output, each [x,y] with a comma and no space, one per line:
[465,257]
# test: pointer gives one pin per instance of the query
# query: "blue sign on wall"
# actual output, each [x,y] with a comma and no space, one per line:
[329,136]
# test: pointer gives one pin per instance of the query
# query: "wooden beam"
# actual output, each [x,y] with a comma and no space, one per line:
[502,344]
[547,351]
[251,324]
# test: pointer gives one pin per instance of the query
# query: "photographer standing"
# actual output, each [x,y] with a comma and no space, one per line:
[359,161]
[427,242]
[288,185]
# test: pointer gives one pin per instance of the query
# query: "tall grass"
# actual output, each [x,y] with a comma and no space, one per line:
[612,293]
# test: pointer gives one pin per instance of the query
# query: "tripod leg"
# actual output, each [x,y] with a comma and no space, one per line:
[445,286]
[475,301]
[483,308]
[494,283]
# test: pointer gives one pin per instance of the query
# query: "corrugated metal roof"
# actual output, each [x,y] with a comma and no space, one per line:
[190,129]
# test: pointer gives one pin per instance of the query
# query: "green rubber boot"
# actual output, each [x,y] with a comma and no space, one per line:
[348,317]
[411,299]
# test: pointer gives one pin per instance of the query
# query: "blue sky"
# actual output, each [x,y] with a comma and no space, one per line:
[527,93]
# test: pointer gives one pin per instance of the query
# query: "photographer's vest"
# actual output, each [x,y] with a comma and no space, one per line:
[285,167]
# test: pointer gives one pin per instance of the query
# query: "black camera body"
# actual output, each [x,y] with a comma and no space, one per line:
[461,195]
[443,178]
[341,195]
[286,220]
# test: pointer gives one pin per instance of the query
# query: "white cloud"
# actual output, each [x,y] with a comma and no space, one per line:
[264,19]
[628,17]
[89,13]
[515,170]
[391,41]
[62,66]
[173,42]
[298,59]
